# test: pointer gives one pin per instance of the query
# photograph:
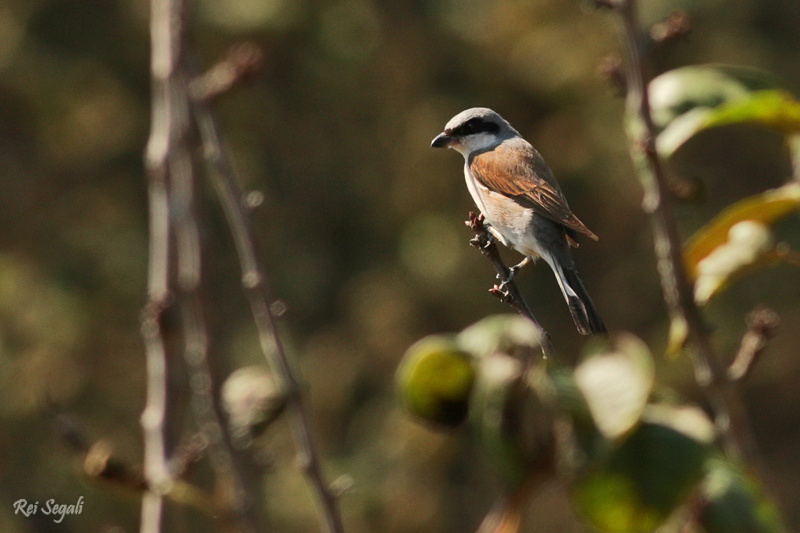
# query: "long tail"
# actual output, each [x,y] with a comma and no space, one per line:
[586,317]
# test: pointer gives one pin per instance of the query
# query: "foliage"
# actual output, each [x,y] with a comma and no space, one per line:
[691,100]
[638,460]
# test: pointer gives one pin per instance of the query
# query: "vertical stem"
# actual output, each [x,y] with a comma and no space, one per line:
[257,291]
[235,499]
[158,412]
[172,184]
[729,410]
[175,239]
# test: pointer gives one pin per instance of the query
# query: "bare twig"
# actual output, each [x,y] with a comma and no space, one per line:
[236,501]
[99,460]
[507,291]
[256,288]
[762,323]
[676,26]
[730,414]
[175,277]
[243,60]
[164,155]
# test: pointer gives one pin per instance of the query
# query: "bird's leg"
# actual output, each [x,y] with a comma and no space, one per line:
[512,271]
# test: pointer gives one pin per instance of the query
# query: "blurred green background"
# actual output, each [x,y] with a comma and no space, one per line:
[361,226]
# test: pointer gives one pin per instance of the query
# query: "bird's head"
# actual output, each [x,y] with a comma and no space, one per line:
[475,129]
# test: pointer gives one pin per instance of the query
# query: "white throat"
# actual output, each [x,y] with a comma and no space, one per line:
[476,142]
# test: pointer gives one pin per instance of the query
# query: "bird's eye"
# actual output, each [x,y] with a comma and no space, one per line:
[472,125]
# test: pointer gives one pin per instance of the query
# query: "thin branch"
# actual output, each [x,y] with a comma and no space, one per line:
[256,288]
[167,125]
[730,413]
[761,326]
[102,464]
[507,291]
[242,61]
[175,273]
[676,26]
[236,501]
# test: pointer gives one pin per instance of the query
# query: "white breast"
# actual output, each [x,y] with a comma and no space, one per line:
[511,222]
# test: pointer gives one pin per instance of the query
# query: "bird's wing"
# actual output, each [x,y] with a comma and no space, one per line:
[519,172]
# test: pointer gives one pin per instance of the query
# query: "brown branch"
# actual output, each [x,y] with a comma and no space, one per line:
[256,288]
[729,410]
[102,464]
[242,61]
[507,291]
[762,323]
[676,26]
[99,460]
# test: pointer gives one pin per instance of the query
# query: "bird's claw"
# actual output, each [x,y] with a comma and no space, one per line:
[512,272]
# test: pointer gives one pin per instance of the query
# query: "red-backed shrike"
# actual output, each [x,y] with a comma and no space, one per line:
[519,197]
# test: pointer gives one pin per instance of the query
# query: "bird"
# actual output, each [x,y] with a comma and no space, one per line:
[519,197]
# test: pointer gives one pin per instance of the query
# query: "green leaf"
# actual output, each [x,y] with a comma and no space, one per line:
[689,100]
[435,379]
[776,109]
[767,208]
[638,484]
[735,502]
[617,385]
[681,90]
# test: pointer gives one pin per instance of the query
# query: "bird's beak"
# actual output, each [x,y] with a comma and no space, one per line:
[442,140]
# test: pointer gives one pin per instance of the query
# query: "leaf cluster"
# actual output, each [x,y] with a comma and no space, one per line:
[634,455]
